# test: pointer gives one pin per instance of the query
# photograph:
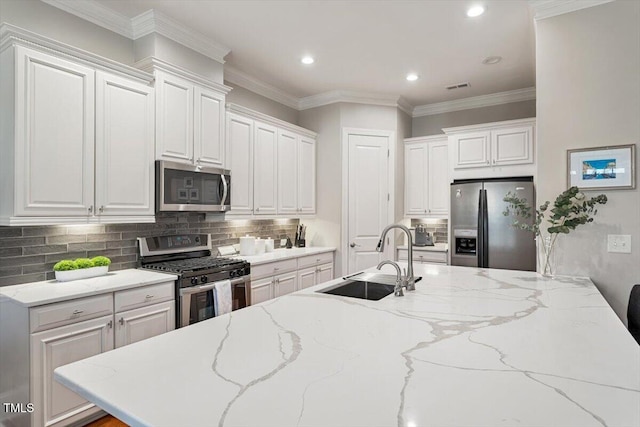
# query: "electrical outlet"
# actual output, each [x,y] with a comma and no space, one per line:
[619,243]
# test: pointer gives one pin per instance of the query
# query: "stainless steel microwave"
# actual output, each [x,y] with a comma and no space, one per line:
[191,188]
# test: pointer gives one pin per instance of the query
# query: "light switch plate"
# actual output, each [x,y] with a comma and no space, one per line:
[619,243]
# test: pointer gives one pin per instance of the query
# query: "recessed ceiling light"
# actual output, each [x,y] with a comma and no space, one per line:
[307,60]
[412,77]
[474,11]
[490,60]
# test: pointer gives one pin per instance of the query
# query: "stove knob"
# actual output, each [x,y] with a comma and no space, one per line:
[194,280]
[239,272]
[232,273]
[204,279]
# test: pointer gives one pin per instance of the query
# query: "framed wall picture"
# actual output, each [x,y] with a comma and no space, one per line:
[602,168]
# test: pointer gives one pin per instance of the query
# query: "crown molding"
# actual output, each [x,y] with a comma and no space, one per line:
[12,35]
[405,106]
[475,102]
[151,64]
[153,21]
[139,26]
[256,115]
[356,97]
[96,13]
[235,76]
[548,8]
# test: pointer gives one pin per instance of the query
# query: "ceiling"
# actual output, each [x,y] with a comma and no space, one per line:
[366,46]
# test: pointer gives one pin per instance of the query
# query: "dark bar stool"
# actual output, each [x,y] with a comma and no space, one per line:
[633,313]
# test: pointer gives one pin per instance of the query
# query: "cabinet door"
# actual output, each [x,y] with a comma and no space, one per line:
[146,322]
[307,175]
[307,277]
[265,171]
[56,347]
[415,184]
[261,290]
[287,172]
[325,273]
[208,128]
[438,179]
[512,146]
[174,118]
[54,136]
[471,150]
[285,284]
[124,146]
[240,143]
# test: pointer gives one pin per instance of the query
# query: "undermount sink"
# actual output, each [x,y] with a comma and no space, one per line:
[360,289]
[370,286]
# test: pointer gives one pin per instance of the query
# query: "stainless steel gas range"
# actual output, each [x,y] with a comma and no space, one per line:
[190,257]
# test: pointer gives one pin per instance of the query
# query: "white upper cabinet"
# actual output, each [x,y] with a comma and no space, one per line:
[79,144]
[124,146]
[426,177]
[54,135]
[190,121]
[265,172]
[273,165]
[240,143]
[492,145]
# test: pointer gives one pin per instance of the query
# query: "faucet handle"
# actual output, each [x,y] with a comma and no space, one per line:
[404,270]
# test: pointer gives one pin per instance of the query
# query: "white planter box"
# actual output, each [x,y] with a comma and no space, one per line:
[83,273]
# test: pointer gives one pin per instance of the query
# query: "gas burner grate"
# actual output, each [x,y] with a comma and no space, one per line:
[193,264]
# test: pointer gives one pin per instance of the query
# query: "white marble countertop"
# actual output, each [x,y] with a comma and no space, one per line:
[46,292]
[280,254]
[469,347]
[437,247]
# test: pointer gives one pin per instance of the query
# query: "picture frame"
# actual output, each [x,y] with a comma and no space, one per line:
[602,168]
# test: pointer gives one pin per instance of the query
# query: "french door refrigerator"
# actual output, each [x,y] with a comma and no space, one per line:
[482,235]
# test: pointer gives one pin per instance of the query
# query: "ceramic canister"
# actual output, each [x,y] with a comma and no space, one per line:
[260,246]
[268,244]
[247,245]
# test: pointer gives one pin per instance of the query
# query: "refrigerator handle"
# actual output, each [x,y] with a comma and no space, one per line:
[485,230]
[480,236]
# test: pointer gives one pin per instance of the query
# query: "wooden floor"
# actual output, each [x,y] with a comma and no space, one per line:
[107,421]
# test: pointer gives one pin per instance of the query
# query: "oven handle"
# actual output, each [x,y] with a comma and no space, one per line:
[208,287]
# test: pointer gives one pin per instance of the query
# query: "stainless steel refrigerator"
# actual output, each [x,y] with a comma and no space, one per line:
[481,235]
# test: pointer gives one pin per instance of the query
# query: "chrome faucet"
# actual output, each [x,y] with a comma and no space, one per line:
[397,289]
[408,281]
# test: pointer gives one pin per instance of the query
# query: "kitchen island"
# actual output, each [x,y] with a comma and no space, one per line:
[469,347]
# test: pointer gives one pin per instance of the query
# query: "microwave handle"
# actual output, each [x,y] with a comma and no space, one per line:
[225,189]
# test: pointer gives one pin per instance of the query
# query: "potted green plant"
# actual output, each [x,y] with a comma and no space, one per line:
[570,209]
[81,268]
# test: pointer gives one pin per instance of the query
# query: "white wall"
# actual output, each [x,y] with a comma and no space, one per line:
[588,95]
[433,124]
[49,21]
[241,96]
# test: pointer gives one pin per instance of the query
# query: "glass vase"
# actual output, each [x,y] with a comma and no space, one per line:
[546,256]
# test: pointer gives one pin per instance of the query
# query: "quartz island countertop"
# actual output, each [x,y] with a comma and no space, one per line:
[469,347]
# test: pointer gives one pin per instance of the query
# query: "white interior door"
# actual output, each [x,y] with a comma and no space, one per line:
[368,195]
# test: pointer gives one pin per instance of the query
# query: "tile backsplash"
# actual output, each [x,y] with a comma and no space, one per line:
[27,254]
[437,227]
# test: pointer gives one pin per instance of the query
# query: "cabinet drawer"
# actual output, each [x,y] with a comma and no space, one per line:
[273,268]
[73,311]
[311,260]
[423,256]
[140,297]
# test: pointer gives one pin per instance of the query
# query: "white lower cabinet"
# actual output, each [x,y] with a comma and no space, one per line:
[423,257]
[69,331]
[274,279]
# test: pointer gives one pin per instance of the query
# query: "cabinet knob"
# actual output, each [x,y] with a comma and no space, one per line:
[488,162]
[90,209]
[101,209]
[494,161]
[121,321]
[257,209]
[110,324]
[77,312]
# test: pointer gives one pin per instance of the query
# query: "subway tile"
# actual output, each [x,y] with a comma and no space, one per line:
[10,271]
[129,251]
[67,255]
[10,232]
[123,258]
[38,268]
[51,275]
[120,227]
[66,238]
[85,229]
[121,244]
[14,242]
[103,237]
[109,253]
[21,260]
[5,252]
[46,249]
[87,246]
[25,278]
[44,231]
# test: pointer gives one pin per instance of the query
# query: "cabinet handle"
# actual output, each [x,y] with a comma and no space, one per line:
[76,312]
[488,162]
[275,269]
[277,281]
[101,209]
[110,324]
[257,209]
[121,321]
[90,209]
[317,259]
[148,297]
[494,161]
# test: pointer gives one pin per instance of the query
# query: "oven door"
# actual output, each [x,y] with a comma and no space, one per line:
[195,304]
[182,187]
